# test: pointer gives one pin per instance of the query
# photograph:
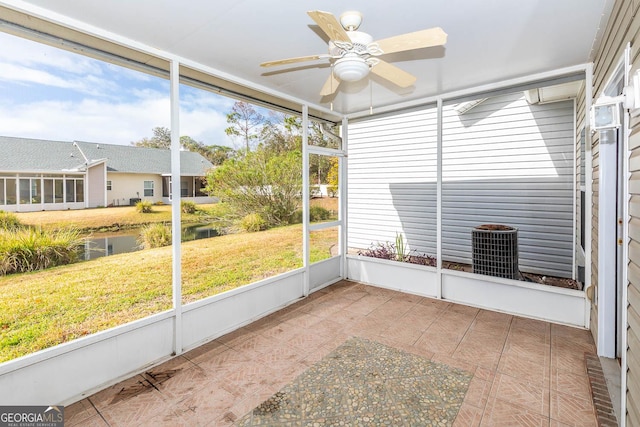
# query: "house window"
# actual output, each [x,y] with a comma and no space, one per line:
[48,190]
[184,187]
[108,185]
[58,191]
[148,189]
[74,189]
[10,195]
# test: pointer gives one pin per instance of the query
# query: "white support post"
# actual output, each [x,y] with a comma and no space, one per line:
[305,199]
[607,224]
[439,131]
[342,198]
[574,244]
[176,252]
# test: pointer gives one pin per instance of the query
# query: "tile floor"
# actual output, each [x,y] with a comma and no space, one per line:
[525,372]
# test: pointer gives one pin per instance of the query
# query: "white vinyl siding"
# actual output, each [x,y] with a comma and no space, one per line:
[504,161]
[508,162]
[392,180]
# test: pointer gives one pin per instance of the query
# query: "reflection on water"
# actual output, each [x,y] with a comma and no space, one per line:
[104,244]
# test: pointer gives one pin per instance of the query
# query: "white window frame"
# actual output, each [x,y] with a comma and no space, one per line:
[145,188]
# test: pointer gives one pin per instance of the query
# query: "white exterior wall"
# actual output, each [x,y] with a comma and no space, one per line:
[508,162]
[504,161]
[96,187]
[392,180]
[125,186]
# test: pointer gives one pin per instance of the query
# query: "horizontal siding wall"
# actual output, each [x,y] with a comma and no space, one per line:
[505,161]
[392,180]
[508,162]
[623,27]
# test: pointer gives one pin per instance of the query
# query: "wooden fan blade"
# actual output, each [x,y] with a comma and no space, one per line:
[393,74]
[292,60]
[330,86]
[329,25]
[417,40]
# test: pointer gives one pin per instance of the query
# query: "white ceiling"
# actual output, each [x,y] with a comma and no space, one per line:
[488,41]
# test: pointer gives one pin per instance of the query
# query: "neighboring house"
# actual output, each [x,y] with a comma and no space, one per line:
[52,175]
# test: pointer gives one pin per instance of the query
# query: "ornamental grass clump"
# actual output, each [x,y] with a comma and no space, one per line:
[9,221]
[188,207]
[252,223]
[155,236]
[28,249]
[144,206]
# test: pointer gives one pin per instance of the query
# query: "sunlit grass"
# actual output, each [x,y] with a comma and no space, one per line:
[111,218]
[45,308]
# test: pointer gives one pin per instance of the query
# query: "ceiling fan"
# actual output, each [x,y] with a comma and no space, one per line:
[353,54]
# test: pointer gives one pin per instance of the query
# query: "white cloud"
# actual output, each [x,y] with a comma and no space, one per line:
[90,84]
[28,53]
[112,123]
[100,102]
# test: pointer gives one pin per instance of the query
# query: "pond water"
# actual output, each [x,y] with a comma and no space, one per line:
[105,244]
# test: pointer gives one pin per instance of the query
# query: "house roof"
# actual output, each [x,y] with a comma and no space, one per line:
[130,159]
[37,155]
[223,43]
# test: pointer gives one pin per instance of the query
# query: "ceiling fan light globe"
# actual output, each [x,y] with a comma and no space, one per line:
[351,69]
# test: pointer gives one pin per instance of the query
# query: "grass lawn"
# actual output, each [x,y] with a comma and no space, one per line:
[109,218]
[41,309]
[127,217]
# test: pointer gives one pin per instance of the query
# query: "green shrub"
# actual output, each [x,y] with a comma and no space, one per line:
[9,221]
[28,249]
[144,206]
[318,213]
[155,235]
[188,207]
[253,222]
[296,218]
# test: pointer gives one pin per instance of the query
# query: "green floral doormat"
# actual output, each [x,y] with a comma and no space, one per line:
[365,383]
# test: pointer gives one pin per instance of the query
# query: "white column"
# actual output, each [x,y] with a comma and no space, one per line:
[305,199]
[439,199]
[176,252]
[343,198]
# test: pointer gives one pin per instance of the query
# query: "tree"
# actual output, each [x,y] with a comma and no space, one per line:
[245,123]
[281,134]
[217,154]
[332,176]
[161,139]
[260,182]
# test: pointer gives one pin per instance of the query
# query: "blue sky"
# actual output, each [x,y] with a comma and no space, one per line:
[49,93]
